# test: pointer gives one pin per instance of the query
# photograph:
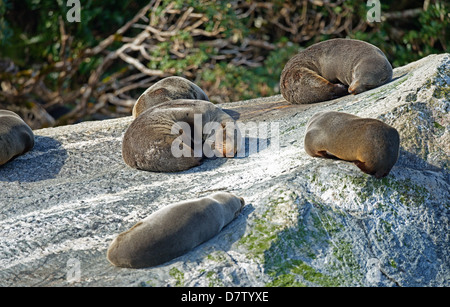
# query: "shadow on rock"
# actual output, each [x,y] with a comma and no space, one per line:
[234,114]
[251,147]
[412,160]
[400,240]
[43,162]
[254,145]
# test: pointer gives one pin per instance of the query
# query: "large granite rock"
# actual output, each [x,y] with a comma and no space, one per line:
[307,221]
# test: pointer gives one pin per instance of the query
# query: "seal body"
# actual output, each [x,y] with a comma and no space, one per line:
[170,88]
[152,141]
[173,230]
[16,137]
[334,68]
[371,144]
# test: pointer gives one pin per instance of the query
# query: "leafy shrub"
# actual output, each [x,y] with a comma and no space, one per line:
[234,50]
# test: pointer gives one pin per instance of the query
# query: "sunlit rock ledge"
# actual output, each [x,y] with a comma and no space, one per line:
[307,221]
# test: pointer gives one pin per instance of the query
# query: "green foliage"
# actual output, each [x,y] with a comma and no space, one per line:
[30,31]
[5,30]
[247,83]
[33,28]
[405,40]
[435,27]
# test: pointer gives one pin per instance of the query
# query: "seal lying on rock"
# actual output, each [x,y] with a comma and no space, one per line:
[16,137]
[371,144]
[324,70]
[174,230]
[153,140]
[170,88]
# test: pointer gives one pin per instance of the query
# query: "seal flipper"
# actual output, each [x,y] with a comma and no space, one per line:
[362,166]
[377,174]
[326,154]
[303,86]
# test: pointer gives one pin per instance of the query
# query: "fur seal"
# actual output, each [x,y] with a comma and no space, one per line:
[148,141]
[16,137]
[170,88]
[329,69]
[174,230]
[369,143]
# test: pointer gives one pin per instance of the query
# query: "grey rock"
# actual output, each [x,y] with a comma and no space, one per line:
[307,221]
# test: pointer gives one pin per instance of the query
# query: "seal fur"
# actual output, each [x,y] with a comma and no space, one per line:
[174,230]
[369,143]
[170,88]
[334,68]
[147,143]
[16,137]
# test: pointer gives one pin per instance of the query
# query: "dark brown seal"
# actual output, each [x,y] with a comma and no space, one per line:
[174,230]
[371,144]
[170,88]
[154,138]
[333,68]
[16,137]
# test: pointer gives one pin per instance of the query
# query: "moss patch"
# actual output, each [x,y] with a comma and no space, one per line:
[213,279]
[178,276]
[405,191]
[289,250]
[442,89]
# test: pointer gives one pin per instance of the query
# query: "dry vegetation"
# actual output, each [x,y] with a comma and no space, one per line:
[234,50]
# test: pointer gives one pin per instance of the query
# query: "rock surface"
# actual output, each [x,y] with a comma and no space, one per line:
[307,221]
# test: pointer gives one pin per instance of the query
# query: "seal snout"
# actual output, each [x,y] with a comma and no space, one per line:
[354,88]
[242,203]
[241,207]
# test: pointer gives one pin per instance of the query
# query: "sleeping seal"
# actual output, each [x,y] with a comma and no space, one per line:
[16,137]
[151,141]
[369,143]
[174,230]
[334,68]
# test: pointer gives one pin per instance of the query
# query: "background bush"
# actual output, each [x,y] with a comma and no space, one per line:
[54,72]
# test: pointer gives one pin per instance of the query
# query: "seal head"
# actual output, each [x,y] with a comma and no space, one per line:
[16,137]
[368,75]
